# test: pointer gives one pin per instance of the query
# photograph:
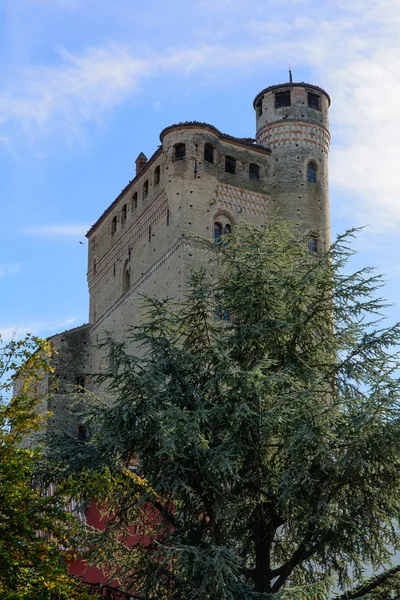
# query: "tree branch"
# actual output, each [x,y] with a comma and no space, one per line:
[371,584]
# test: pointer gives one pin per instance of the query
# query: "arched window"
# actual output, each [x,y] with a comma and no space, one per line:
[113,225]
[146,188]
[208,153]
[134,201]
[312,172]
[230,165]
[221,229]
[157,175]
[179,151]
[254,172]
[126,283]
[218,229]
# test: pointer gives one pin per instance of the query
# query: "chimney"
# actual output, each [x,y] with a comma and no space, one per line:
[140,162]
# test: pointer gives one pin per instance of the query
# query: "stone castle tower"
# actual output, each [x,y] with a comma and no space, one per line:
[201,182]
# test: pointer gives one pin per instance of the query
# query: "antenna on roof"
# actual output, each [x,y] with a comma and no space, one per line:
[290,75]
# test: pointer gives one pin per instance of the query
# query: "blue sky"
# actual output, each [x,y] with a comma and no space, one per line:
[88,84]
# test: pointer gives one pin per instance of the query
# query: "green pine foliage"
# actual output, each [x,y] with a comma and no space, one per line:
[263,412]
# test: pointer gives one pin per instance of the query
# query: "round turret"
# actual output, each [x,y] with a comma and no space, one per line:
[292,120]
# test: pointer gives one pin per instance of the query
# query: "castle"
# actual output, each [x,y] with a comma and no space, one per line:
[199,183]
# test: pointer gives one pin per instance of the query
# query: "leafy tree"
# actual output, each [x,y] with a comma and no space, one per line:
[267,441]
[34,528]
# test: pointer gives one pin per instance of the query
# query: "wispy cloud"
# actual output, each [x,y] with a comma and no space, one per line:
[9,269]
[56,231]
[40,328]
[353,49]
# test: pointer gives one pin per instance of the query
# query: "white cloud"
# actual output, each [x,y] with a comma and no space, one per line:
[57,231]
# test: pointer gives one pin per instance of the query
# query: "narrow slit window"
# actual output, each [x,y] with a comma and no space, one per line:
[254,172]
[94,267]
[282,99]
[167,216]
[123,214]
[149,233]
[134,201]
[127,280]
[80,384]
[314,101]
[179,152]
[230,165]
[157,176]
[146,188]
[113,225]
[209,153]
[259,108]
[312,173]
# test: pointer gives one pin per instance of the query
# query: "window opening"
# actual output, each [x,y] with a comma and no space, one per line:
[230,165]
[113,225]
[167,216]
[313,101]
[259,108]
[227,231]
[127,280]
[146,188]
[82,433]
[179,152]
[80,384]
[217,232]
[312,245]
[312,173]
[94,266]
[209,153]
[123,214]
[254,172]
[221,313]
[149,233]
[282,99]
[157,175]
[134,201]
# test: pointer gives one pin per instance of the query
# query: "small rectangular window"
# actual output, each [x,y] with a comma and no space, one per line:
[167,216]
[146,189]
[282,99]
[157,175]
[82,433]
[113,225]
[314,101]
[208,153]
[134,201]
[230,165]
[259,108]
[254,172]
[179,152]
